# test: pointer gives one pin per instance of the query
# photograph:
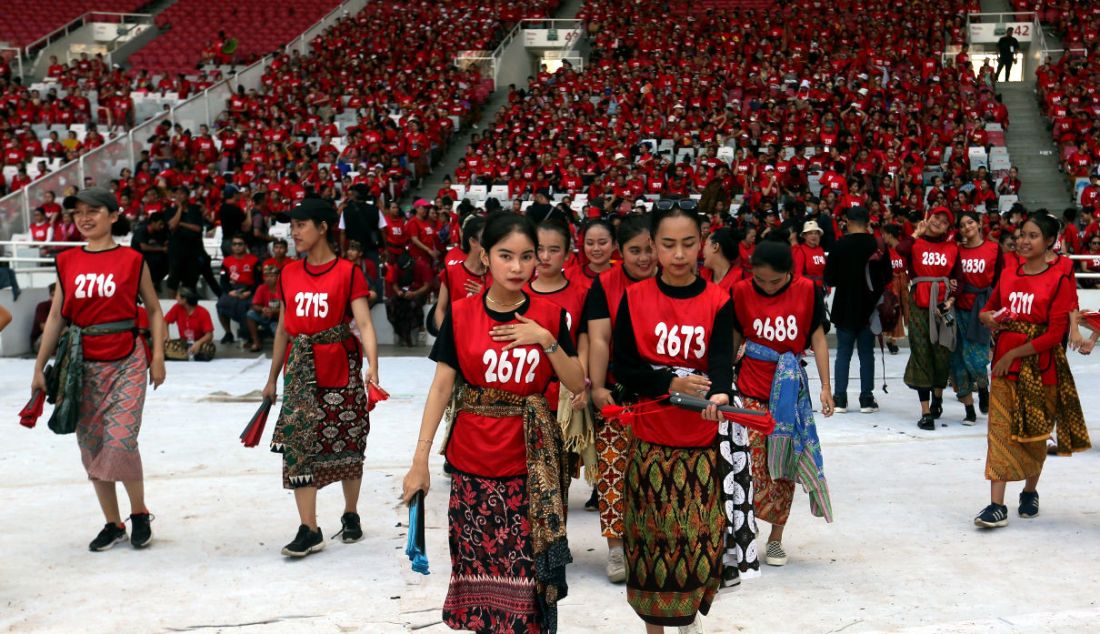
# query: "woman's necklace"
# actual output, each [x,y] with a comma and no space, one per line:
[513,305]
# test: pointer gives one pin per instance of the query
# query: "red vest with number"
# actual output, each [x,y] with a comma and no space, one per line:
[615,281]
[569,298]
[100,287]
[316,300]
[1032,298]
[455,277]
[811,263]
[484,445]
[932,259]
[781,322]
[674,333]
[978,264]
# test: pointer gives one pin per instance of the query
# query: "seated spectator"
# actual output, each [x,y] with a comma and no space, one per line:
[195,329]
[263,317]
[408,282]
[239,270]
[41,312]
[278,257]
[1091,265]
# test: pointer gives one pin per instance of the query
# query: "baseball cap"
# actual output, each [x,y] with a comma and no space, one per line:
[420,202]
[945,211]
[98,197]
[314,209]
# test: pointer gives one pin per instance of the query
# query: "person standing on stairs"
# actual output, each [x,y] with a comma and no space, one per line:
[1007,47]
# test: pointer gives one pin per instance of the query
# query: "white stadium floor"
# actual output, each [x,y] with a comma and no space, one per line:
[903,554]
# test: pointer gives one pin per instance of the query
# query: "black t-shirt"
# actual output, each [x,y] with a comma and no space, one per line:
[361,222]
[232,218]
[1007,47]
[192,214]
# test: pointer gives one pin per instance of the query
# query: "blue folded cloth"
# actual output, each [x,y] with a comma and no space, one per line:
[414,548]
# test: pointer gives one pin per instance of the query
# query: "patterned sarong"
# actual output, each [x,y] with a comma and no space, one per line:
[492,585]
[674,532]
[111,404]
[735,466]
[794,450]
[321,432]
[613,440]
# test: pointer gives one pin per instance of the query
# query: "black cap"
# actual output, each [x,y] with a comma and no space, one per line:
[98,197]
[858,215]
[315,209]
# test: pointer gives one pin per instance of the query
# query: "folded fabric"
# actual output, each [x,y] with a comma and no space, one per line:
[375,395]
[414,547]
[28,416]
[252,433]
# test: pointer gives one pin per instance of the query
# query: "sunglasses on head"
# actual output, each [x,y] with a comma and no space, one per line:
[683,204]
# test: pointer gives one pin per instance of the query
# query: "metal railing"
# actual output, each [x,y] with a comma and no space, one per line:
[492,61]
[1084,276]
[42,43]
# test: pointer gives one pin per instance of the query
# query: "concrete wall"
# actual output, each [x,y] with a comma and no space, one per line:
[516,65]
[15,340]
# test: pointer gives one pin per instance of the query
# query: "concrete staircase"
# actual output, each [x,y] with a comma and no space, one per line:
[1033,151]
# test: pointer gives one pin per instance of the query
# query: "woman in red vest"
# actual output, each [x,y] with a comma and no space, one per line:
[932,258]
[100,354]
[809,256]
[613,436]
[779,315]
[891,236]
[674,333]
[323,425]
[720,259]
[1033,392]
[506,515]
[980,265]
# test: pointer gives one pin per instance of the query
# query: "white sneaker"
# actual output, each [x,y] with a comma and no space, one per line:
[696,626]
[616,565]
[775,555]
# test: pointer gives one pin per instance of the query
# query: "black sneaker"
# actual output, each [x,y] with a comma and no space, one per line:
[868,404]
[593,503]
[993,516]
[840,403]
[141,534]
[936,408]
[1029,504]
[971,417]
[228,338]
[927,423]
[983,400]
[351,529]
[108,537]
[892,347]
[305,542]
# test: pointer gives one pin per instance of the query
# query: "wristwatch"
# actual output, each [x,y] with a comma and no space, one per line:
[551,349]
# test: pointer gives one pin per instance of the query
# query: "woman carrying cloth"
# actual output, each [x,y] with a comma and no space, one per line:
[932,258]
[613,436]
[101,354]
[778,316]
[674,333]
[1033,392]
[979,269]
[495,357]
[323,425]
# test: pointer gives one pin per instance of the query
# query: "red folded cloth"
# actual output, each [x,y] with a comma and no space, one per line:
[28,417]
[375,395]
[251,435]
[758,421]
